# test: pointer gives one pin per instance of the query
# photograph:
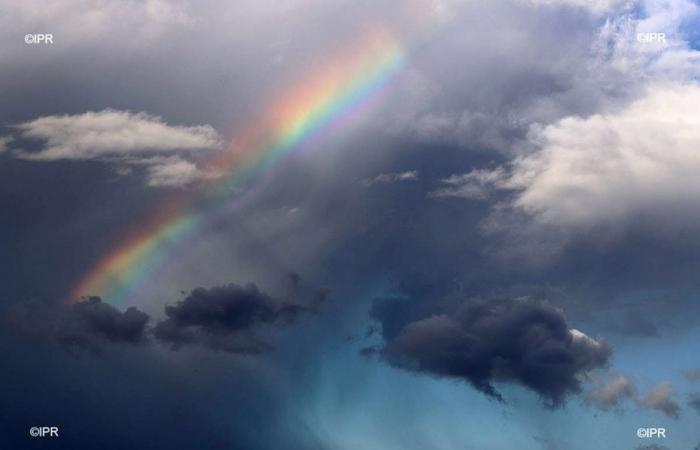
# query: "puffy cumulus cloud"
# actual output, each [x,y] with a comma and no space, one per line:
[387,178]
[606,169]
[660,398]
[110,133]
[87,324]
[511,341]
[226,317]
[610,394]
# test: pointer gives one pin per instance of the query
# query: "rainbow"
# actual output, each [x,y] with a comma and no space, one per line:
[309,109]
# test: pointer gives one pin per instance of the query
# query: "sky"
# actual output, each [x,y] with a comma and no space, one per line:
[340,225]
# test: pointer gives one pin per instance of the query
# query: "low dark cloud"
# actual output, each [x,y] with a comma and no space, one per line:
[513,341]
[223,318]
[87,324]
[226,317]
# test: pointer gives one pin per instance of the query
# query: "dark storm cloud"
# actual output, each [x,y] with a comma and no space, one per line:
[512,341]
[87,324]
[108,322]
[222,318]
[225,317]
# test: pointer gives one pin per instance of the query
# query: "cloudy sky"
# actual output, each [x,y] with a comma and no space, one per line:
[313,224]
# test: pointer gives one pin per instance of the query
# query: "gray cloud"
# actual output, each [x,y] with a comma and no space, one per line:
[226,317]
[660,398]
[500,341]
[610,394]
[87,324]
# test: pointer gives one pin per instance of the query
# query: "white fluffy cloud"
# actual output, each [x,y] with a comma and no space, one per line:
[605,169]
[610,167]
[109,133]
[129,140]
